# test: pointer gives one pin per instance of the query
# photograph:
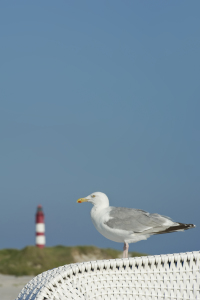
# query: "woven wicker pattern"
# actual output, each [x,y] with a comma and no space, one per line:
[174,276]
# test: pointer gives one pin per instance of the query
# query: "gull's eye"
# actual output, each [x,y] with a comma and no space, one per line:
[93,196]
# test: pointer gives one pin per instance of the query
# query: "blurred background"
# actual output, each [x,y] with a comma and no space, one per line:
[99,96]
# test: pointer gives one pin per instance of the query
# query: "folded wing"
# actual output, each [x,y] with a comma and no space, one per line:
[140,221]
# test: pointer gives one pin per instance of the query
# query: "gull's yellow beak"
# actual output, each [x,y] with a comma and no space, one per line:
[82,200]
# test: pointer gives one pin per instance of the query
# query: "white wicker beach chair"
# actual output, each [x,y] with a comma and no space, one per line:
[173,276]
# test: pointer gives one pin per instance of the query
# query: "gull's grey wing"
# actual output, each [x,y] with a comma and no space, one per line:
[137,220]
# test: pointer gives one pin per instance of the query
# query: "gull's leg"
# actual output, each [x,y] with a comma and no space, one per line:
[125,252]
[127,246]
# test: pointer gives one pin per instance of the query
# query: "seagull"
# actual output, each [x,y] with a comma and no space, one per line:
[128,225]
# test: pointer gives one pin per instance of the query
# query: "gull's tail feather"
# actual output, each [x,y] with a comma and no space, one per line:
[179,227]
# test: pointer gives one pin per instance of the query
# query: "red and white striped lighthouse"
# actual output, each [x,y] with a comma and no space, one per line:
[40,228]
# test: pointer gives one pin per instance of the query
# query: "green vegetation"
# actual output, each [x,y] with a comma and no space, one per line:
[32,260]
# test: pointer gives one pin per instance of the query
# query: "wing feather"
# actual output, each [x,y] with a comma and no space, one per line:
[137,220]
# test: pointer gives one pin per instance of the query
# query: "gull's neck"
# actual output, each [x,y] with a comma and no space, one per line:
[100,205]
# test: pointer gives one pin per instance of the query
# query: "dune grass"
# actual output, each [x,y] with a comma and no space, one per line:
[32,260]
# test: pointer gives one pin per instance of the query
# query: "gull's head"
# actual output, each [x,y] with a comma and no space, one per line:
[97,199]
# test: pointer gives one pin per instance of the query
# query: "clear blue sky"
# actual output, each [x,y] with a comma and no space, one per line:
[99,96]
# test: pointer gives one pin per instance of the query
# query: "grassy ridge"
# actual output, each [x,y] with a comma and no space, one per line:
[32,260]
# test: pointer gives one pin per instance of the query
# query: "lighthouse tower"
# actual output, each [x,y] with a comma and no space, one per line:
[40,228]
